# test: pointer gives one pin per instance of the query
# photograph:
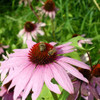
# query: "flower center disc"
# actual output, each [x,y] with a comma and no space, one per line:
[29,26]
[42,53]
[49,5]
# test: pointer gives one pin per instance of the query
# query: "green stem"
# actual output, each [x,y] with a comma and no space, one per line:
[53,29]
[34,12]
[54,95]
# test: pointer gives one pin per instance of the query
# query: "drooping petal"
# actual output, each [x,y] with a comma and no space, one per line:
[3,90]
[67,49]
[5,46]
[84,89]
[48,75]
[35,83]
[1,50]
[97,80]
[19,53]
[24,78]
[62,78]
[30,43]
[90,97]
[21,32]
[39,80]
[40,32]
[72,70]
[74,62]
[42,24]
[94,92]
[16,72]
[53,43]
[64,45]
[3,74]
[64,51]
[76,91]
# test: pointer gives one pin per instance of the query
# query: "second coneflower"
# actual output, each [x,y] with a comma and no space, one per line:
[48,8]
[31,29]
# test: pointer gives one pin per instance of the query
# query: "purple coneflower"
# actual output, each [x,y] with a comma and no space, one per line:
[40,63]
[90,90]
[30,30]
[3,47]
[48,8]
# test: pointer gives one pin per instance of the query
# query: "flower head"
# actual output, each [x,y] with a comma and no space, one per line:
[30,30]
[90,90]
[3,47]
[48,8]
[40,63]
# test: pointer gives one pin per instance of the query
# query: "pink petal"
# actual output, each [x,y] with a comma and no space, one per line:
[64,51]
[40,32]
[65,48]
[3,74]
[16,72]
[20,53]
[5,47]
[30,43]
[98,89]
[53,14]
[72,70]
[34,83]
[74,62]
[42,24]
[3,90]
[97,80]
[90,97]
[53,43]
[24,78]
[64,45]
[39,80]
[29,37]
[1,50]
[61,77]
[21,32]
[84,89]
[14,62]
[75,95]
[48,75]
[94,92]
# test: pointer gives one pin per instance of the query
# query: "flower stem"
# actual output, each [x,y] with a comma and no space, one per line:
[53,29]
[54,95]
[34,12]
